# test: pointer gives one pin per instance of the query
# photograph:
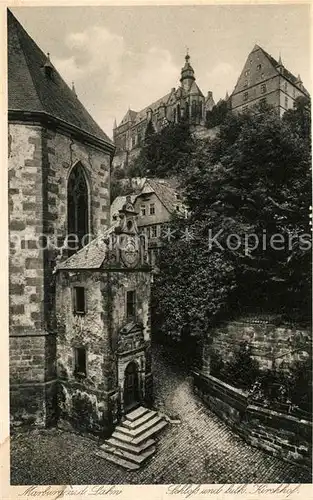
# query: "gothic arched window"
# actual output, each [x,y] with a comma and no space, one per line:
[200,109]
[77,208]
[187,111]
[194,108]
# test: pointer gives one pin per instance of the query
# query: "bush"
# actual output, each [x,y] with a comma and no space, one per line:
[243,369]
[290,389]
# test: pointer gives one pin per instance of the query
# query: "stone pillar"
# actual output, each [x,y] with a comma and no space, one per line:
[206,357]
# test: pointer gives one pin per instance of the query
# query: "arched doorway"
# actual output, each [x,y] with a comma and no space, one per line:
[131,387]
[77,208]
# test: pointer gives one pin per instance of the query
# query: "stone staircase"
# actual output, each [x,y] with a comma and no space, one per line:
[132,443]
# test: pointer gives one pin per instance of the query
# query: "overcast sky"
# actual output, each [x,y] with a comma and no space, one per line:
[122,57]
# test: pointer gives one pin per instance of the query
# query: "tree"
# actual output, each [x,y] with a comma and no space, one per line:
[218,114]
[255,178]
[164,153]
[252,182]
[192,286]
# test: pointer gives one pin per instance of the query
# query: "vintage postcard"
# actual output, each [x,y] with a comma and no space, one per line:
[157,228]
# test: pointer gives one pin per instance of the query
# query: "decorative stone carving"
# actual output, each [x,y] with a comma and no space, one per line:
[131,338]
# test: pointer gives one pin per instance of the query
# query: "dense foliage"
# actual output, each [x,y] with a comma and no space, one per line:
[253,181]
[164,154]
[284,389]
[218,114]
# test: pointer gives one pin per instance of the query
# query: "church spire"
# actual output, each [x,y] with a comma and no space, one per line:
[187,73]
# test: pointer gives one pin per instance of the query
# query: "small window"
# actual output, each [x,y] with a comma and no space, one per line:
[130,304]
[286,86]
[152,209]
[177,208]
[245,96]
[294,92]
[286,102]
[245,109]
[79,300]
[247,72]
[245,83]
[153,232]
[263,88]
[80,368]
[143,210]
[259,66]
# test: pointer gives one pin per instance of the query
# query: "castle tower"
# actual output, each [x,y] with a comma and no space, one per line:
[187,74]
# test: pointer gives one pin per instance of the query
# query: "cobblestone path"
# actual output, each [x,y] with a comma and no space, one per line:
[199,449]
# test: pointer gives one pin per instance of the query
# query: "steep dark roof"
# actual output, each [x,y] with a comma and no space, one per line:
[165,191]
[31,90]
[284,71]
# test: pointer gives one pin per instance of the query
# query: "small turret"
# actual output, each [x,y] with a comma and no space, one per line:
[73,89]
[187,74]
[280,64]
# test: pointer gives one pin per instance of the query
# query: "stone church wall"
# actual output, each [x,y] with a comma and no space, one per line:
[39,164]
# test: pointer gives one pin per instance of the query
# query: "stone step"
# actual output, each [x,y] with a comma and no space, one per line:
[125,455]
[122,462]
[123,445]
[133,424]
[141,429]
[139,412]
[149,433]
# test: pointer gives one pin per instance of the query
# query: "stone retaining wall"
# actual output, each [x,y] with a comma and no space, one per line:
[282,435]
[274,346]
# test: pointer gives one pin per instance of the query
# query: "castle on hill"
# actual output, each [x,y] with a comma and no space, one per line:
[263,80]
[187,103]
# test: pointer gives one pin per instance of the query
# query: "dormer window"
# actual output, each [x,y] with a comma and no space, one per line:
[48,68]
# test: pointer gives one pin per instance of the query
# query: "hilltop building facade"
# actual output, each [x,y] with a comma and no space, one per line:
[264,80]
[187,102]
[79,317]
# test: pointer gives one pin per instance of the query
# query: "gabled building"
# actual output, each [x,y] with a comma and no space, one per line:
[72,336]
[187,102]
[264,80]
[157,202]
[103,327]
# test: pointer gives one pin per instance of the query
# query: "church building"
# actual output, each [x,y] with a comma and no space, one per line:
[186,103]
[79,290]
